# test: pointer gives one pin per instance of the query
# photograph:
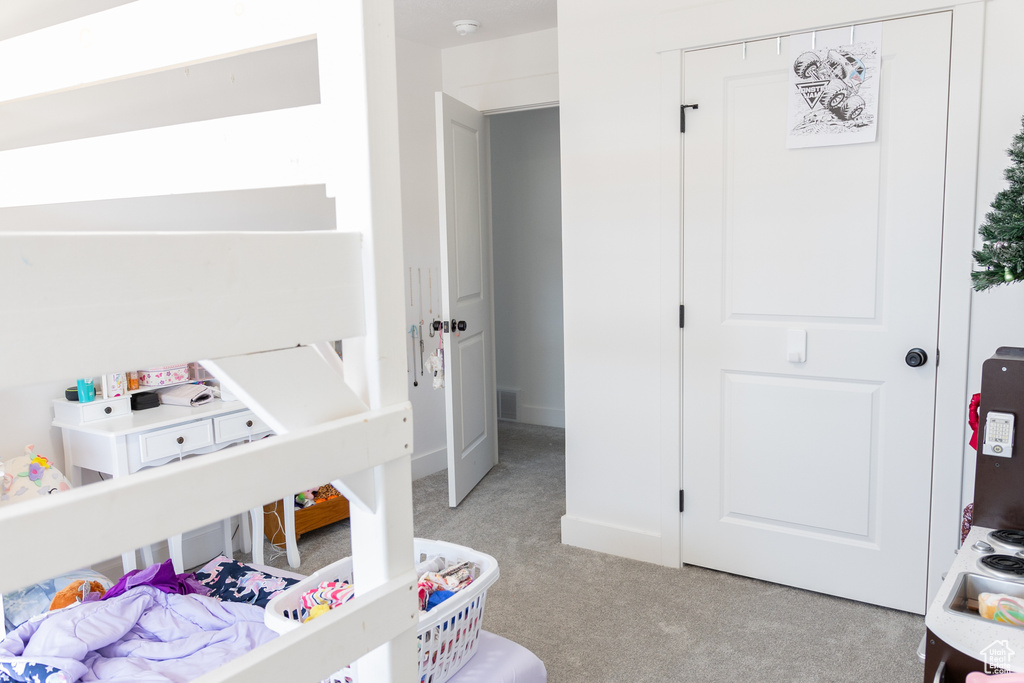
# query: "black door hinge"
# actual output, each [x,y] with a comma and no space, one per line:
[682,115]
[680,500]
[681,316]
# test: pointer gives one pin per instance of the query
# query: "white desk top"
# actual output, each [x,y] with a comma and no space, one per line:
[153,418]
[970,634]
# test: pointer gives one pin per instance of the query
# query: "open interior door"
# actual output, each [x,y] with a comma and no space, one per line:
[467,300]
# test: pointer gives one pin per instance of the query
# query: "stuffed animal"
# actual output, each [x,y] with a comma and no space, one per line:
[77,591]
[30,474]
[326,493]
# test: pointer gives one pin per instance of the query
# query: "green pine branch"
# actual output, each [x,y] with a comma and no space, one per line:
[1002,253]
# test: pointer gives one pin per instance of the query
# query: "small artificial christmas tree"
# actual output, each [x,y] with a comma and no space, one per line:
[1002,254]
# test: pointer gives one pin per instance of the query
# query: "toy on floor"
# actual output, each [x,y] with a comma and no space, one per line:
[312,497]
[326,493]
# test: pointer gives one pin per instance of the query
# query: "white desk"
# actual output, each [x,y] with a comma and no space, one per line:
[121,445]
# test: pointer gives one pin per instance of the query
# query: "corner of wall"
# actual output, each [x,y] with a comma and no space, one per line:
[518,72]
[613,540]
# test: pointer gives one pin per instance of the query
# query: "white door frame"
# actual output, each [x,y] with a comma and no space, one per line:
[735,21]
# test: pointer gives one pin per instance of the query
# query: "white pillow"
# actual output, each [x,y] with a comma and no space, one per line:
[22,605]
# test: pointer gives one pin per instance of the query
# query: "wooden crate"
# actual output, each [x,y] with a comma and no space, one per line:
[306,519]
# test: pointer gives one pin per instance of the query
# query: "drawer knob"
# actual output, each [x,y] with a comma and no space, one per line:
[180,439]
[248,423]
[108,410]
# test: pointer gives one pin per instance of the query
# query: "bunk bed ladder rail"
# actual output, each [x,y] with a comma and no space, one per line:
[245,301]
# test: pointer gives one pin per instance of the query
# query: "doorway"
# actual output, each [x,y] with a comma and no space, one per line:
[520,152]
[526,219]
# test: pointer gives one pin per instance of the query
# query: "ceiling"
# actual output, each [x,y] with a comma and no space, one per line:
[429,22]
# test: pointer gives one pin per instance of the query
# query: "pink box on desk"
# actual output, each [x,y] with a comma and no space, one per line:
[168,374]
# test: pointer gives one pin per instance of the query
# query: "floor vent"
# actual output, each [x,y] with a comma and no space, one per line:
[508,404]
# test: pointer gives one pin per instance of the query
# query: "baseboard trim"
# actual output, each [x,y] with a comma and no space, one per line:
[546,417]
[613,540]
[429,463]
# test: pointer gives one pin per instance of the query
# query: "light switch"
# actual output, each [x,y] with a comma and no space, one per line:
[796,346]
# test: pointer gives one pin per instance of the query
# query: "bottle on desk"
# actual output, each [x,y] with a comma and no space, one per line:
[86,391]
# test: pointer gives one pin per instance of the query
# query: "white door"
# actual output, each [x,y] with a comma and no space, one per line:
[466,281]
[813,474]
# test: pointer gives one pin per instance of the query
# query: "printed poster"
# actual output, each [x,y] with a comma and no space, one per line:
[833,87]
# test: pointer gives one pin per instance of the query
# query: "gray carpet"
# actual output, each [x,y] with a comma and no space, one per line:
[594,618]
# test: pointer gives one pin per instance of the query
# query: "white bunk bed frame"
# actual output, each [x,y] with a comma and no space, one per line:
[64,317]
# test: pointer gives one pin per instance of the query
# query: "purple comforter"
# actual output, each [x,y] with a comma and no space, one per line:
[143,636]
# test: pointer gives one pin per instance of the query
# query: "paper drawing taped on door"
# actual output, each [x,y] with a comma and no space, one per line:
[833,98]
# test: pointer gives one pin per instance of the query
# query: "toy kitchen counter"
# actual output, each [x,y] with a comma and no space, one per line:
[990,563]
[959,639]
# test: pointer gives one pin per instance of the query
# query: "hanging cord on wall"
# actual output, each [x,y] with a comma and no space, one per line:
[276,553]
[412,333]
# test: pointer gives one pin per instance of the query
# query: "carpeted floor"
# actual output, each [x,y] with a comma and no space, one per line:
[594,618]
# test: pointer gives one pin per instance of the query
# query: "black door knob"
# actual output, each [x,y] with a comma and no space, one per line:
[916,358]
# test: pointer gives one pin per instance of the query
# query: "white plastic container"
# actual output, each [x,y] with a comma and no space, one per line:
[448,634]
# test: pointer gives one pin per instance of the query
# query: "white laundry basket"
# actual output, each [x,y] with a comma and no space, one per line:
[448,634]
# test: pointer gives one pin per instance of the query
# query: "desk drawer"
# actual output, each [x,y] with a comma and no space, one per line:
[237,426]
[73,412]
[165,442]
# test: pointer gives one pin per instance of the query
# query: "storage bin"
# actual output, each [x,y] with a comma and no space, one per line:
[448,634]
[162,376]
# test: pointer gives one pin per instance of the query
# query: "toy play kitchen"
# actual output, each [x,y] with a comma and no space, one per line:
[987,577]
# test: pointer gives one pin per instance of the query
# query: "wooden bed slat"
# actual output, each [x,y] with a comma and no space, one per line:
[333,640]
[279,148]
[191,494]
[152,35]
[93,304]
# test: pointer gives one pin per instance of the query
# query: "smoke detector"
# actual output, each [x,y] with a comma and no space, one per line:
[466,26]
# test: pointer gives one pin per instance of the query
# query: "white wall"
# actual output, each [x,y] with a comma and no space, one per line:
[608,86]
[419,77]
[609,76]
[507,73]
[27,413]
[526,212]
[995,312]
